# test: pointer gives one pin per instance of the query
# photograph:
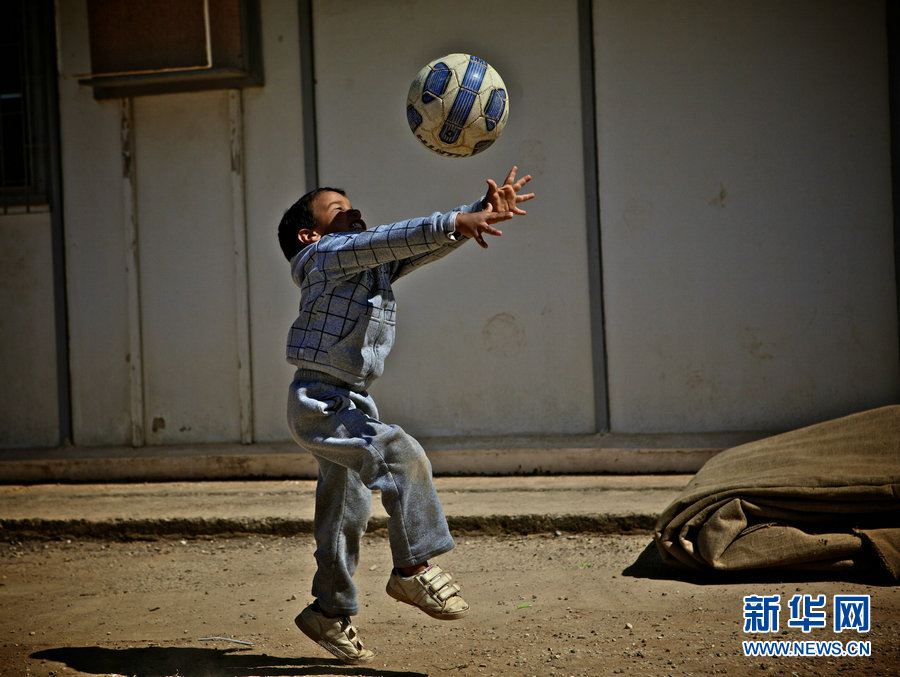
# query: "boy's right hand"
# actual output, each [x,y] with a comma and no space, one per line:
[477,224]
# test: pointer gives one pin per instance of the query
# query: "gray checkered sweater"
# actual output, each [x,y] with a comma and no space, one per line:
[345,328]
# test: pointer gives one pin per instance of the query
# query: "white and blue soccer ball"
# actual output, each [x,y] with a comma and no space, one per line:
[457,105]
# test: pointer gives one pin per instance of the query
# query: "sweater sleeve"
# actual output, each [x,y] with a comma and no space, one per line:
[407,265]
[349,253]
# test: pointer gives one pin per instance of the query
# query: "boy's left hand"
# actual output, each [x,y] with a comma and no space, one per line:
[505,198]
[478,224]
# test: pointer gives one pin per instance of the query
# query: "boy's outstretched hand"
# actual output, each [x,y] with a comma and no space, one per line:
[501,204]
[505,198]
[477,224]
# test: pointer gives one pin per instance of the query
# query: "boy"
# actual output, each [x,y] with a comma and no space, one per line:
[338,343]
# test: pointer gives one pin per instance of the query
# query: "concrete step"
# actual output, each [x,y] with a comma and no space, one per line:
[534,504]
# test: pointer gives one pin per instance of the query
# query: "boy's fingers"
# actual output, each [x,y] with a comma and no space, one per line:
[512,174]
[498,216]
[514,207]
[490,230]
[521,182]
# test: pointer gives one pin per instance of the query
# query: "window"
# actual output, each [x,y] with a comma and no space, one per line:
[143,47]
[26,31]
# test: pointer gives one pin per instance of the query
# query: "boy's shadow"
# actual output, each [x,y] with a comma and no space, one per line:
[191,662]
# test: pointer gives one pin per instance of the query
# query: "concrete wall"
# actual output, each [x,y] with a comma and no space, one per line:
[96,252]
[746,212]
[274,177]
[179,300]
[187,280]
[489,341]
[28,404]
[746,227]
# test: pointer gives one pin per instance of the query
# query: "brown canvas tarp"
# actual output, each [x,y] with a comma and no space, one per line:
[825,497]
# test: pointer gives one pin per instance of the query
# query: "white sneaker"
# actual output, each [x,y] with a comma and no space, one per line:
[431,590]
[334,634]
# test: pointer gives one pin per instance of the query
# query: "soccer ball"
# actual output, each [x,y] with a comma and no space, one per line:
[457,105]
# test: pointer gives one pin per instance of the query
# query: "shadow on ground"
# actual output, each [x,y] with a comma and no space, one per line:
[649,564]
[190,662]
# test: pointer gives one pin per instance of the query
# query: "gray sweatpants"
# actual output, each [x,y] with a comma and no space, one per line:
[357,453]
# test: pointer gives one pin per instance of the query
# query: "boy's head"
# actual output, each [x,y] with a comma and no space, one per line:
[320,212]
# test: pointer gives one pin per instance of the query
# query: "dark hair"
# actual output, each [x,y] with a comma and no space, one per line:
[296,218]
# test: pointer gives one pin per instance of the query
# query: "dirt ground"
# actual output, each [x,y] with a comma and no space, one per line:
[552,604]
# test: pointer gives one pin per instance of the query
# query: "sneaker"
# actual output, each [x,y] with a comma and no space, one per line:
[333,634]
[431,591]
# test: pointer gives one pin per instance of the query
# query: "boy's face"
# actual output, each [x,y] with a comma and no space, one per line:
[333,213]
